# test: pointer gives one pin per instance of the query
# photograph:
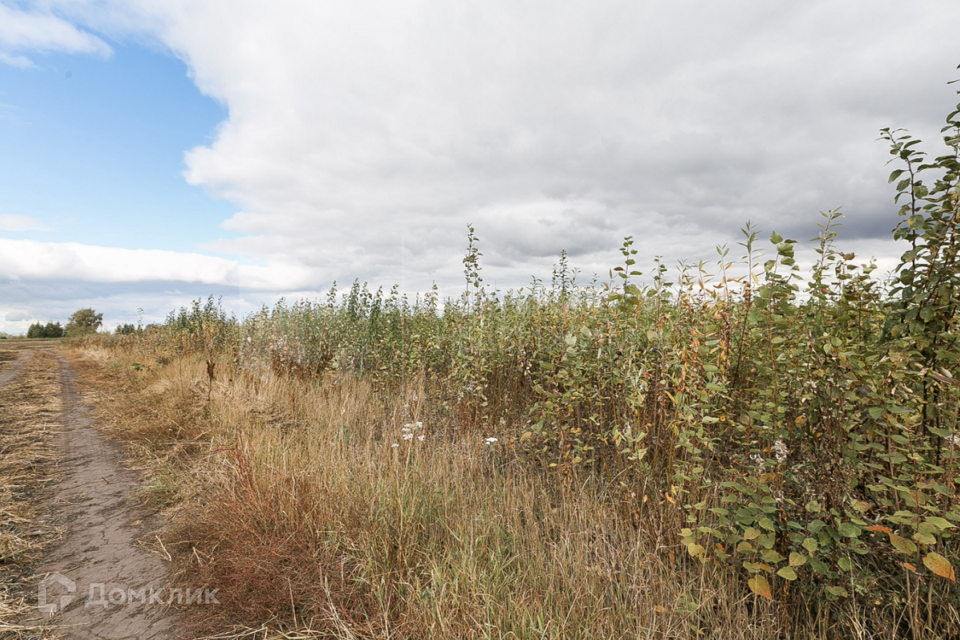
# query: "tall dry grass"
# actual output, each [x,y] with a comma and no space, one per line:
[328,510]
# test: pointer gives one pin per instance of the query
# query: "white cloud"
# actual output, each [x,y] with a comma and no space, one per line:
[26,260]
[353,123]
[363,136]
[21,62]
[17,316]
[41,31]
[12,222]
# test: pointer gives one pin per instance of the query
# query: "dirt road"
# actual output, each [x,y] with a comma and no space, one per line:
[97,582]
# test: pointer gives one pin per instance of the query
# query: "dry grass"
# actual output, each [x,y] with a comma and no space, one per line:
[315,516]
[312,514]
[29,410]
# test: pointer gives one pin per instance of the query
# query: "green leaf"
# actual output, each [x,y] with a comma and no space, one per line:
[776,238]
[925,538]
[940,523]
[898,409]
[797,559]
[751,533]
[767,540]
[902,545]
[836,592]
[819,567]
[787,573]
[772,556]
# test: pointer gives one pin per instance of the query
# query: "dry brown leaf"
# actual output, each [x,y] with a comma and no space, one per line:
[939,565]
[759,585]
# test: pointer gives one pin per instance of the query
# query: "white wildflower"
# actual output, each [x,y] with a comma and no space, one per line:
[421,438]
[757,459]
[394,445]
[490,441]
[780,451]
[408,436]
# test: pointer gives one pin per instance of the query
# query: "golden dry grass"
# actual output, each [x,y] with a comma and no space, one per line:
[29,413]
[309,510]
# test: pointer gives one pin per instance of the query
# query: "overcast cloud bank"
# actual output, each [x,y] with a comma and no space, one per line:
[362,137]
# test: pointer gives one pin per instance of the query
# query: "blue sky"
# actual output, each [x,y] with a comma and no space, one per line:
[156,151]
[93,150]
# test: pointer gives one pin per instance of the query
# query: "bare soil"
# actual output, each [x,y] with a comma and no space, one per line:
[112,575]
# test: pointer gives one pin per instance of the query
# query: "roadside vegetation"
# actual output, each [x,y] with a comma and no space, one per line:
[742,451]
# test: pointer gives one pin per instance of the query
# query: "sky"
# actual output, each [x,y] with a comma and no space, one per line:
[157,151]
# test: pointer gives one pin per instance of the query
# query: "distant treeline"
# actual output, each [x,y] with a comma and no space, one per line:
[51,330]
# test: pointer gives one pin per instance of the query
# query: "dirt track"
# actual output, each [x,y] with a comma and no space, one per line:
[99,548]
[13,369]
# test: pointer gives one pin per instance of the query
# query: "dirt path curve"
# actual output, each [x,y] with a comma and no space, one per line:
[99,548]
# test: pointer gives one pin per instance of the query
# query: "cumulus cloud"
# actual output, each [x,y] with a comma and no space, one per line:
[43,32]
[362,137]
